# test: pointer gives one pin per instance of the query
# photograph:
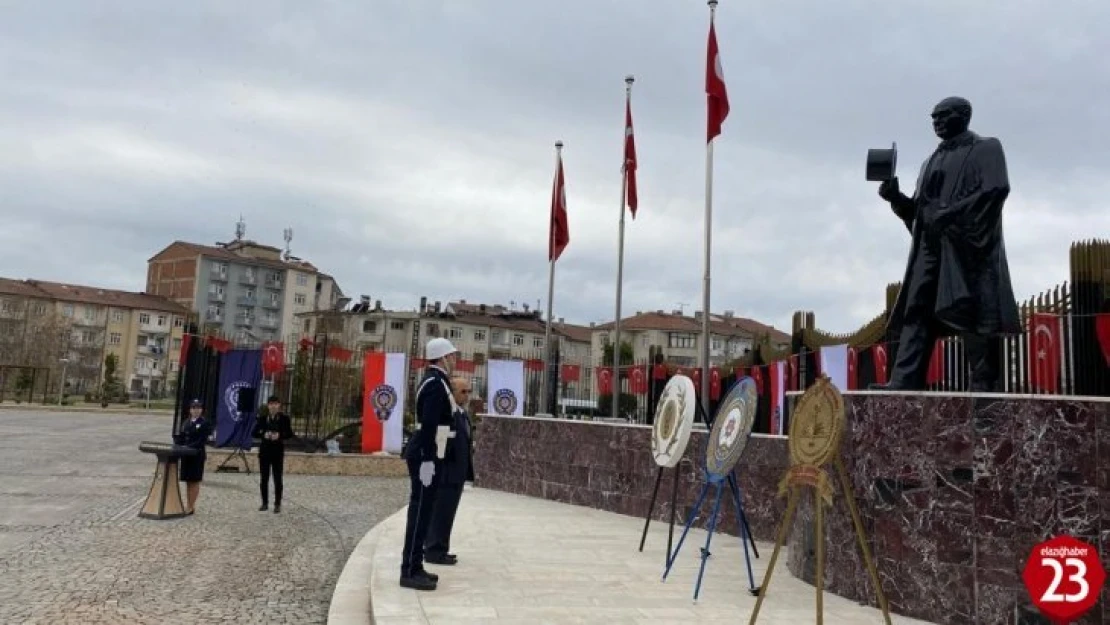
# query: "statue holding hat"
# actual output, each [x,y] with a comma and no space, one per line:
[957,281]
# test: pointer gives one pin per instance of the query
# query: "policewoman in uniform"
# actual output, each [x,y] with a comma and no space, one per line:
[433,409]
[194,433]
[272,430]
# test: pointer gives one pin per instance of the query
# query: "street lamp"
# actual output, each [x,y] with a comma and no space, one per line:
[62,383]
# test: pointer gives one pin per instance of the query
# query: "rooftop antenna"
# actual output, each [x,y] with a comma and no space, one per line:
[288,233]
[240,229]
[682,308]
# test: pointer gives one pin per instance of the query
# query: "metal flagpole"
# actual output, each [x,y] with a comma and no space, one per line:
[708,258]
[545,390]
[616,384]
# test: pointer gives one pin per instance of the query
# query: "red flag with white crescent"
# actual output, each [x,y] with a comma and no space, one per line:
[878,356]
[273,358]
[1044,352]
[715,91]
[631,195]
[604,380]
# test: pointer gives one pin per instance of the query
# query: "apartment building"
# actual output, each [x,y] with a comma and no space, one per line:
[73,328]
[244,290]
[679,337]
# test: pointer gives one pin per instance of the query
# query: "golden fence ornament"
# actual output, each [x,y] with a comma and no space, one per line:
[817,429]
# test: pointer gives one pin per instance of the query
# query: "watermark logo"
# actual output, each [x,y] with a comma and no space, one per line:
[1064,577]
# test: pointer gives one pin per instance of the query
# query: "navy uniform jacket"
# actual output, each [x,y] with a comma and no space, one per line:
[458,465]
[433,409]
[194,434]
[279,423]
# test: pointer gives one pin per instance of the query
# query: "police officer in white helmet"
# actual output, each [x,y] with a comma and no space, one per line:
[433,409]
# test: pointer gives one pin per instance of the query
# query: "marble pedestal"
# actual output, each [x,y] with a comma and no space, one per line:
[955,490]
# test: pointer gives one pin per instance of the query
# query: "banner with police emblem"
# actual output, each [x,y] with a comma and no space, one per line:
[383,406]
[239,369]
[506,387]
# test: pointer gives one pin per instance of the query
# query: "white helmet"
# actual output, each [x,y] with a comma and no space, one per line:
[438,348]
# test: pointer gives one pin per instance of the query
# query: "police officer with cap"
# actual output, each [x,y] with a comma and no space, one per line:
[433,409]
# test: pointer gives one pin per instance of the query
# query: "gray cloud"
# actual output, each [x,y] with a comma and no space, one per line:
[410,145]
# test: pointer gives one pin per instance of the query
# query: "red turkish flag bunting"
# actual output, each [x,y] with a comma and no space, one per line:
[604,380]
[1102,330]
[273,358]
[220,345]
[792,373]
[569,373]
[715,91]
[638,379]
[533,364]
[306,343]
[630,160]
[464,366]
[696,377]
[714,383]
[935,373]
[1044,352]
[338,353]
[853,369]
[419,363]
[878,357]
[559,234]
[757,377]
[659,371]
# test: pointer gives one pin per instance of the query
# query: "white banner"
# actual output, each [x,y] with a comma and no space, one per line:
[834,363]
[383,415]
[506,387]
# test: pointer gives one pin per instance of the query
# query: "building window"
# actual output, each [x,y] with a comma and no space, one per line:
[716,344]
[397,325]
[178,322]
[681,341]
[302,279]
[67,310]
[117,316]
[115,338]
[248,293]
[274,299]
[161,320]
[537,342]
[144,318]
[455,332]
[479,335]
[369,327]
[604,338]
[307,326]
[5,306]
[90,313]
[40,309]
[299,299]
[176,343]
[518,339]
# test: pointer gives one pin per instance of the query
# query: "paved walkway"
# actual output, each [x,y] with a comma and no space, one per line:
[72,549]
[533,561]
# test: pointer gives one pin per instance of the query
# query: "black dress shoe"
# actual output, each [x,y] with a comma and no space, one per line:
[262,508]
[418,581]
[448,559]
[277,508]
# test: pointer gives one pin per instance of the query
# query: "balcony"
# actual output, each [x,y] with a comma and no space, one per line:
[244,320]
[269,324]
[215,297]
[243,300]
[271,283]
[147,371]
[214,317]
[248,278]
[271,304]
[218,274]
[86,322]
[152,327]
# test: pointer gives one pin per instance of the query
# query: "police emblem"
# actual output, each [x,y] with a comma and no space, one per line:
[731,429]
[504,402]
[674,418]
[231,399]
[383,399]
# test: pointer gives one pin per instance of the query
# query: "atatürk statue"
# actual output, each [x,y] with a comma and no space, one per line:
[957,281]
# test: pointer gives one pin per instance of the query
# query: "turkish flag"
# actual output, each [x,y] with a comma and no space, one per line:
[464,366]
[853,369]
[533,364]
[273,358]
[716,94]
[559,234]
[336,352]
[878,355]
[569,373]
[714,383]
[306,343]
[659,371]
[935,373]
[1044,352]
[419,363]
[220,345]
[604,380]
[696,377]
[757,377]
[630,160]
[1102,329]
[638,380]
[792,373]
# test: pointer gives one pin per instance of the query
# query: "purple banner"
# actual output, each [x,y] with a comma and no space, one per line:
[240,377]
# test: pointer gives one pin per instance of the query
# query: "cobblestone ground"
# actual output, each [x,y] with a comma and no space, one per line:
[73,550]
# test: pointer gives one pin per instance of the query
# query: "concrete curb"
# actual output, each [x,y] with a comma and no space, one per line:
[351,600]
[86,409]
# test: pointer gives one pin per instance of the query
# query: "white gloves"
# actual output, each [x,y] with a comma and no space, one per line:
[427,472]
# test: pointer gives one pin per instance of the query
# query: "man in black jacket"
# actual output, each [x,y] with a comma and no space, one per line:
[433,409]
[272,430]
[457,470]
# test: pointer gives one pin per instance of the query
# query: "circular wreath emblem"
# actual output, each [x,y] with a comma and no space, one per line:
[504,402]
[383,399]
[674,417]
[231,399]
[731,429]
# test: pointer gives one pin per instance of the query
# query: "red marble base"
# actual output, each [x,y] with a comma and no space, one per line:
[954,491]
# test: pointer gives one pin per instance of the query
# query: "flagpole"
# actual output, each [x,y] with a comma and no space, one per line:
[628,80]
[708,257]
[550,295]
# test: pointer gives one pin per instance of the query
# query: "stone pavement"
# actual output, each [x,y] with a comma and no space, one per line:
[532,561]
[72,549]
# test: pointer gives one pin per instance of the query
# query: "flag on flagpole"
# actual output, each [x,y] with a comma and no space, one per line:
[559,235]
[383,406]
[716,94]
[630,160]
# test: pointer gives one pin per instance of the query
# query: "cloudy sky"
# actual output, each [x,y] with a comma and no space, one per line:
[410,144]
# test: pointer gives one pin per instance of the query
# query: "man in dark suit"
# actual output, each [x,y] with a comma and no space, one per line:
[457,470]
[272,430]
[433,410]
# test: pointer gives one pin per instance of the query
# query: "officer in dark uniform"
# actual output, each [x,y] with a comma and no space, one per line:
[194,433]
[272,430]
[433,409]
[457,470]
